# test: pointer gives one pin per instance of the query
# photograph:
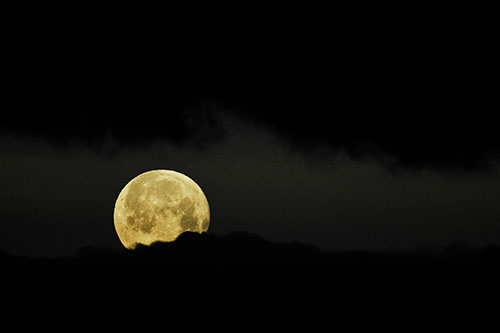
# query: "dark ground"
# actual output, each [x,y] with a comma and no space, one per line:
[242,281]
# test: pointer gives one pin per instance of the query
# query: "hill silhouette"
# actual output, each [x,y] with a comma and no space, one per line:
[237,248]
[242,281]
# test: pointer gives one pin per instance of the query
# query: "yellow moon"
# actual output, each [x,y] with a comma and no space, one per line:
[159,205]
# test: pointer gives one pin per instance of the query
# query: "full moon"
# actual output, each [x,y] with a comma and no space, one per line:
[159,205]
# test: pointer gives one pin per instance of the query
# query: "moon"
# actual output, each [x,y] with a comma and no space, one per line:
[159,205]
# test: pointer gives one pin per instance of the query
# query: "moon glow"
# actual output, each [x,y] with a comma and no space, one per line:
[159,205]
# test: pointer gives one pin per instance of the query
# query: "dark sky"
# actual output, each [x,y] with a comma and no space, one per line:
[375,136]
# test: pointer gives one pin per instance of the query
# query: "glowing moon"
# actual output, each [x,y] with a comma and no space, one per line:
[159,205]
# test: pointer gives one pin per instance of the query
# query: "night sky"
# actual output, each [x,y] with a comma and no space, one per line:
[335,135]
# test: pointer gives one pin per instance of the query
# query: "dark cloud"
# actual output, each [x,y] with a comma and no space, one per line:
[419,94]
[91,105]
[253,183]
[426,102]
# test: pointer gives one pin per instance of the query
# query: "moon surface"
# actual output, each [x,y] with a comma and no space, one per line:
[159,205]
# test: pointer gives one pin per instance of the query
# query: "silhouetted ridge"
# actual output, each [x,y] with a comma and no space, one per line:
[415,291]
[248,248]
[237,248]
